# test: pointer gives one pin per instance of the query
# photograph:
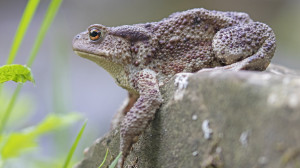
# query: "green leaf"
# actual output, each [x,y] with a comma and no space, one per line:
[54,121]
[15,72]
[114,163]
[74,146]
[15,144]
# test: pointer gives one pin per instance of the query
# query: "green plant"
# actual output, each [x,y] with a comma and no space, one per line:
[22,29]
[114,163]
[104,159]
[25,21]
[14,144]
[72,150]
[16,73]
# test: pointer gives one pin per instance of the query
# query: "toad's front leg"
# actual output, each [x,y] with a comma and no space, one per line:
[142,112]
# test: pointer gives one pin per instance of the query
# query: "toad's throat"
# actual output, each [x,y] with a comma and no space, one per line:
[116,70]
[103,61]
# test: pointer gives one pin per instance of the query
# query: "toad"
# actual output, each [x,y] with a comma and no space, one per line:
[142,57]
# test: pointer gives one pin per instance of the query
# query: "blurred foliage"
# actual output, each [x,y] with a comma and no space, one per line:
[13,113]
[22,110]
[14,144]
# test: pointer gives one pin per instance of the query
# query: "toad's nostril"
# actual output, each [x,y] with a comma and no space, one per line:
[76,39]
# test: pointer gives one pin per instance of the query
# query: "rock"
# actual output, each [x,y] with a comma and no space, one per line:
[218,119]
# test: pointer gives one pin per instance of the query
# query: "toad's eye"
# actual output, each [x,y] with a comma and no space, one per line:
[95,34]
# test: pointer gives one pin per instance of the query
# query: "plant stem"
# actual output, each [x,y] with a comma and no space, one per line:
[9,108]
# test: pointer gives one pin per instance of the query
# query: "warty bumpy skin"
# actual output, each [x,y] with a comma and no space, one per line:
[142,57]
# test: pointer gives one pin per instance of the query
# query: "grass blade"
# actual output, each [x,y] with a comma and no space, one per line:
[114,163]
[72,150]
[51,12]
[22,28]
[104,159]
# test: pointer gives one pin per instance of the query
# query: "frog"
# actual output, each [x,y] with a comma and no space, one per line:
[143,57]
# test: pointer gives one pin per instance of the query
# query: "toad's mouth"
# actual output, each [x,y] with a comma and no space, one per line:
[102,59]
[89,55]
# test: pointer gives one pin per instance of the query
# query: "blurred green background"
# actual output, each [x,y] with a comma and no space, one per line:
[66,83]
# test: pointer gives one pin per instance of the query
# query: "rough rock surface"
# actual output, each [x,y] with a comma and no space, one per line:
[217,119]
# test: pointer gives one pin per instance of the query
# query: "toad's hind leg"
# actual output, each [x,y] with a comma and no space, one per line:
[245,47]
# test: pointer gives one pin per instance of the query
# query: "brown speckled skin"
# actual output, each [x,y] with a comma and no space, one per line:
[142,57]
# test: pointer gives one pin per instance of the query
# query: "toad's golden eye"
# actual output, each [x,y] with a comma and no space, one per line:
[95,34]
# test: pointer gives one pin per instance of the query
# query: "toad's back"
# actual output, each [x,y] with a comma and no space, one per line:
[183,41]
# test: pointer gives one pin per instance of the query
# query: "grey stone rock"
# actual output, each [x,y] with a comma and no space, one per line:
[217,119]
